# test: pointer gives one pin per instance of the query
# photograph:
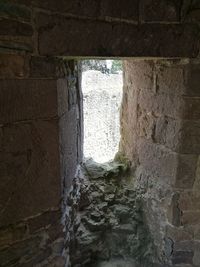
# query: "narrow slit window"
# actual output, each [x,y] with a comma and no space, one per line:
[102,87]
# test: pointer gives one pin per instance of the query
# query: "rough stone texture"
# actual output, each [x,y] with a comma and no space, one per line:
[108,219]
[36,117]
[160,10]
[164,149]
[158,38]
[35,143]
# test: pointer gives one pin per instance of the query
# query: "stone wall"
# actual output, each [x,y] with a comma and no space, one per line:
[36,142]
[160,136]
[40,121]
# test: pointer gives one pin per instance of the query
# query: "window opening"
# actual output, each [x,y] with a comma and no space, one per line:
[102,87]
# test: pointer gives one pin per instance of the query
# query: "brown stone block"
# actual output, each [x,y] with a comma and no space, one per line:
[159,162]
[12,234]
[160,10]
[16,45]
[186,170]
[117,9]
[46,219]
[42,67]
[189,200]
[190,132]
[191,108]
[161,104]
[27,99]
[139,74]
[182,257]
[29,170]
[89,8]
[190,218]
[193,81]
[10,8]
[114,39]
[170,78]
[12,66]
[168,132]
[12,27]
[179,233]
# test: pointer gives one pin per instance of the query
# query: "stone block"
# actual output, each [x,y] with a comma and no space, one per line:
[170,78]
[25,45]
[159,162]
[182,257]
[161,104]
[114,39]
[13,10]
[189,200]
[48,218]
[178,233]
[168,132]
[190,132]
[160,10]
[145,125]
[193,81]
[12,234]
[139,74]
[15,28]
[186,171]
[191,108]
[29,167]
[190,217]
[42,67]
[62,95]
[25,250]
[27,99]
[12,66]
[117,9]
[89,8]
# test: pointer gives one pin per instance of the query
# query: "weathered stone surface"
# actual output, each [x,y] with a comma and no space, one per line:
[46,219]
[89,8]
[113,8]
[190,217]
[158,161]
[191,108]
[189,200]
[10,9]
[29,99]
[170,78]
[182,257]
[41,67]
[12,234]
[13,45]
[118,230]
[160,10]
[186,170]
[12,27]
[114,39]
[193,80]
[139,74]
[29,170]
[12,66]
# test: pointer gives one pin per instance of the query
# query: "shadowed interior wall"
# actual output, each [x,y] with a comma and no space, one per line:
[40,129]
